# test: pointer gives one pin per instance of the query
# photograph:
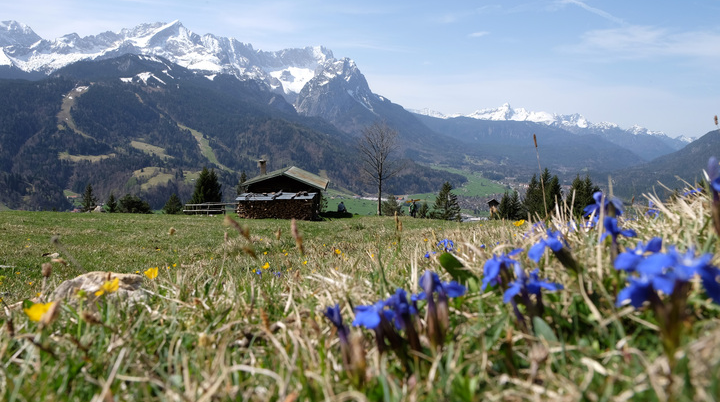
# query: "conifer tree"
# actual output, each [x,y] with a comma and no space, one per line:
[111,206]
[446,204]
[89,201]
[583,191]
[207,188]
[173,205]
[391,206]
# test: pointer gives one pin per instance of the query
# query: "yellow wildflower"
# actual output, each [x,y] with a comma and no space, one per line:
[174,265]
[266,266]
[305,262]
[37,310]
[337,251]
[519,223]
[109,287]
[151,273]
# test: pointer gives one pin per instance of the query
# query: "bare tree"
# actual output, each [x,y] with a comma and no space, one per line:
[377,147]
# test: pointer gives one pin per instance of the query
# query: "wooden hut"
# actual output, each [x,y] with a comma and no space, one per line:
[282,194]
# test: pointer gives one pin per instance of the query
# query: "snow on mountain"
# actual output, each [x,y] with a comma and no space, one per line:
[572,122]
[285,71]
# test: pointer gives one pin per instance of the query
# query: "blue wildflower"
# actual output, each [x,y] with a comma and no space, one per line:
[612,229]
[493,268]
[333,314]
[553,242]
[612,206]
[652,211]
[628,260]
[369,316]
[528,284]
[446,245]
[404,313]
[638,291]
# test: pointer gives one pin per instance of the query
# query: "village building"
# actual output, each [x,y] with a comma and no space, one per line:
[282,194]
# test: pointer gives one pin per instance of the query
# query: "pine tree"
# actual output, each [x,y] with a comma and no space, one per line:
[503,209]
[111,205]
[391,206]
[553,193]
[89,201]
[446,204]
[173,205]
[423,211]
[132,204]
[207,188]
[516,207]
[533,201]
[583,191]
[240,188]
[510,207]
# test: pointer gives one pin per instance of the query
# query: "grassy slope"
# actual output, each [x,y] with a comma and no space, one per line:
[476,186]
[212,326]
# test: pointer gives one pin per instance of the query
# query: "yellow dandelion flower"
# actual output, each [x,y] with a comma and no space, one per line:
[264,252]
[266,266]
[337,251]
[425,239]
[109,287]
[519,223]
[37,310]
[174,265]
[137,272]
[151,273]
[305,262]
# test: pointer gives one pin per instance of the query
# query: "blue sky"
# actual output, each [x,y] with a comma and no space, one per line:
[651,63]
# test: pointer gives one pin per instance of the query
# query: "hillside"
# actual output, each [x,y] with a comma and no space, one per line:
[672,170]
[108,123]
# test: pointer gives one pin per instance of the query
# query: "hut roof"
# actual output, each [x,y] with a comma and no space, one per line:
[295,173]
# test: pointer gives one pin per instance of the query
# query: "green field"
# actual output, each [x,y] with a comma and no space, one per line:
[239,309]
[476,186]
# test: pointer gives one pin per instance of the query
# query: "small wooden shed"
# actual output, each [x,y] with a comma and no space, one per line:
[282,194]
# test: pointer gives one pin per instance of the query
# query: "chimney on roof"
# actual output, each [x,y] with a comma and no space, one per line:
[262,164]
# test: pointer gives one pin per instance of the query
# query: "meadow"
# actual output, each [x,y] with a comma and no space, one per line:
[365,308]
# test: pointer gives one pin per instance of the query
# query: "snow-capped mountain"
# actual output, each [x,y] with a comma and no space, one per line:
[285,71]
[574,123]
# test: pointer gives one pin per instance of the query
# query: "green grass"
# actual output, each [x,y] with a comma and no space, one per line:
[209,327]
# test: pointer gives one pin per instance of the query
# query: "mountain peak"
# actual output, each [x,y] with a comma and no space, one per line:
[13,33]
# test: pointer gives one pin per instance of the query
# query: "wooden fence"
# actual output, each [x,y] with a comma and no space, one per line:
[208,208]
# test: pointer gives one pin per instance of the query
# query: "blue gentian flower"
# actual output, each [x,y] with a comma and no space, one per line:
[369,316]
[595,208]
[528,284]
[664,271]
[628,260]
[333,314]
[446,245]
[398,303]
[692,191]
[430,282]
[612,229]
[552,241]
[652,211]
[638,291]
[713,172]
[494,267]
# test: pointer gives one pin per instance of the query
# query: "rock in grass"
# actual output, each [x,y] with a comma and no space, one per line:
[128,289]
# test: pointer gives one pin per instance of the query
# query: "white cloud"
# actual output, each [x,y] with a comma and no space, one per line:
[479,34]
[638,42]
[593,10]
